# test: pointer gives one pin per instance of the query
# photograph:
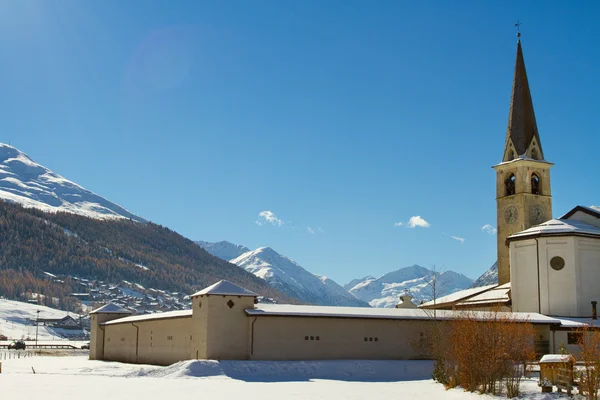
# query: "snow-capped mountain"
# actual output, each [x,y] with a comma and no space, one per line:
[30,184]
[416,280]
[224,250]
[285,274]
[489,277]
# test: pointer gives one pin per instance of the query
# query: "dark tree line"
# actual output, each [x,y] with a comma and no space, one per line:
[32,241]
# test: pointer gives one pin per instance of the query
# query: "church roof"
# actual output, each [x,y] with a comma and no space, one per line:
[558,227]
[225,288]
[522,126]
[111,308]
[592,210]
[498,294]
[457,296]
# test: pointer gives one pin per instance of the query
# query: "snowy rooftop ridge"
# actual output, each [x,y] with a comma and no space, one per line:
[460,295]
[558,226]
[225,288]
[148,317]
[389,313]
[111,308]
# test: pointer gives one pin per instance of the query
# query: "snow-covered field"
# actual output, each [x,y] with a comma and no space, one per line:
[75,377]
[17,322]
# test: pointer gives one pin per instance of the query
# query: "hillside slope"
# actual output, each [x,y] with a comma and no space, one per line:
[30,184]
[32,241]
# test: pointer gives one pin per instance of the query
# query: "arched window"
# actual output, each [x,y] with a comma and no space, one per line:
[509,183]
[535,184]
[534,154]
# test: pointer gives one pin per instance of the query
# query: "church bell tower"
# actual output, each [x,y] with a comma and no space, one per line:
[523,197]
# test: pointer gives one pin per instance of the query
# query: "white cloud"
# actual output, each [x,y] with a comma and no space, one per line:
[314,230]
[268,217]
[414,222]
[487,228]
[458,239]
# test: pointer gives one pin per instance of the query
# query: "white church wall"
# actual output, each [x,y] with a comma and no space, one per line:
[588,253]
[523,276]
[558,287]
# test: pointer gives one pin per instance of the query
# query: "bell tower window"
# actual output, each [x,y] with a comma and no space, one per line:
[535,184]
[534,154]
[509,183]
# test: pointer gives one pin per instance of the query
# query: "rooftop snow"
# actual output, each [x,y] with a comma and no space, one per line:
[148,317]
[460,295]
[225,288]
[111,308]
[556,358]
[386,313]
[497,294]
[557,227]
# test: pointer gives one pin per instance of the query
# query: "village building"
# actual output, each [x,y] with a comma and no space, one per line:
[547,276]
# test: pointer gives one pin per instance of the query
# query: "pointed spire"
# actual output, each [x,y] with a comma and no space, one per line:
[522,127]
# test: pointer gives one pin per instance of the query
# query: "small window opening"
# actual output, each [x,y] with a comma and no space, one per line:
[366,339]
[535,184]
[534,154]
[230,304]
[305,337]
[312,338]
[317,338]
[509,183]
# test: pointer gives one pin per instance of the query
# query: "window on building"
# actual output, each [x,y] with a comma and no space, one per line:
[535,184]
[230,304]
[122,339]
[534,154]
[366,339]
[169,337]
[317,338]
[557,263]
[510,183]
[305,337]
[573,337]
[312,338]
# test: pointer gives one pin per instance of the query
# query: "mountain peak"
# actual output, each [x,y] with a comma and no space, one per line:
[32,185]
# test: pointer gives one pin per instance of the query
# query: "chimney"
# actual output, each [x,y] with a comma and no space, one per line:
[594,313]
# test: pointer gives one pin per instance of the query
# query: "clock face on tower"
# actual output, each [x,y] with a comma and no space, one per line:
[510,214]
[537,214]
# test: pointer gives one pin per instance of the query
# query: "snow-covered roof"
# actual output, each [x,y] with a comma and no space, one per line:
[578,322]
[111,308]
[556,358]
[289,310]
[558,227]
[457,296]
[498,294]
[147,317]
[225,288]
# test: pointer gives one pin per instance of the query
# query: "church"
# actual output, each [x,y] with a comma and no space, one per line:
[548,275]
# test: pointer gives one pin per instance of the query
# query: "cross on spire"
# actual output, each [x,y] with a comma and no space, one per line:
[518,26]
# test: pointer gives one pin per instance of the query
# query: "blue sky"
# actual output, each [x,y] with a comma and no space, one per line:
[342,118]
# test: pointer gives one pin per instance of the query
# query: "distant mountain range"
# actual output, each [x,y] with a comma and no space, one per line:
[416,281]
[284,274]
[103,240]
[489,277]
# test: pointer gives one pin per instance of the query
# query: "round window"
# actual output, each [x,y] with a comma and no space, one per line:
[557,263]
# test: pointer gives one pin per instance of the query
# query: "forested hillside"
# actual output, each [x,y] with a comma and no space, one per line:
[32,241]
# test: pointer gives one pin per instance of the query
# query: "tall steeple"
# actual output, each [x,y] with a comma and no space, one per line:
[522,138]
[523,195]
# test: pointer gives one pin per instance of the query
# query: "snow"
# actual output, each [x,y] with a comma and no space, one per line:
[147,317]
[498,294]
[111,308]
[224,250]
[489,277]
[17,320]
[76,377]
[387,313]
[225,288]
[456,296]
[25,182]
[292,279]
[415,280]
[556,358]
[558,226]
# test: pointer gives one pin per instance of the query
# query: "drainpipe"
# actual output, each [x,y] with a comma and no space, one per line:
[137,340]
[594,313]
[103,339]
[537,253]
[252,336]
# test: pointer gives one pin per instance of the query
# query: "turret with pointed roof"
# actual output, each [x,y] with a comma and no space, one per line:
[522,138]
[523,195]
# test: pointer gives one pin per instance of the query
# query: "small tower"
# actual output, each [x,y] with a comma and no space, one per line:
[406,301]
[99,316]
[523,196]
[220,328]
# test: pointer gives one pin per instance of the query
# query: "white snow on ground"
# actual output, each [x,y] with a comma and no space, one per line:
[17,321]
[75,377]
